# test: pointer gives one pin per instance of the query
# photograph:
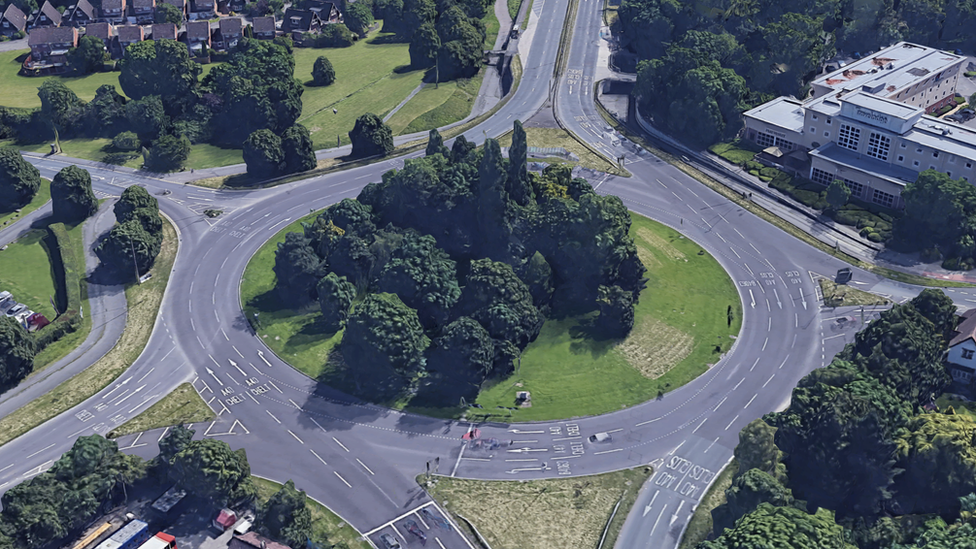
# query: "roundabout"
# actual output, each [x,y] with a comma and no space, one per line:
[361,459]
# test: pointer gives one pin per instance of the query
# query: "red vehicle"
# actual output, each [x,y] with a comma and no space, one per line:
[160,541]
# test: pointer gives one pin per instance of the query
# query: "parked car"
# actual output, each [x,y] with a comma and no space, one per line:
[389,542]
[414,529]
[16,309]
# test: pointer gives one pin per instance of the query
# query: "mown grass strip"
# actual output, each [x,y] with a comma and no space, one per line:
[182,406]
[42,197]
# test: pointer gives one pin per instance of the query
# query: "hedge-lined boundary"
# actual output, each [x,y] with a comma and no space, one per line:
[68,270]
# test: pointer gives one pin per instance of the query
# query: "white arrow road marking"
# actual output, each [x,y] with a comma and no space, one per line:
[116,387]
[674,517]
[234,364]
[778,302]
[130,394]
[803,298]
[525,432]
[211,372]
[261,354]
[753,299]
[648,508]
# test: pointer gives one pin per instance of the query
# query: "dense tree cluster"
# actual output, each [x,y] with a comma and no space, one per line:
[138,233]
[857,442]
[371,136]
[69,494]
[89,56]
[940,218]
[460,256]
[286,516]
[702,63]
[72,198]
[446,34]
[17,351]
[19,180]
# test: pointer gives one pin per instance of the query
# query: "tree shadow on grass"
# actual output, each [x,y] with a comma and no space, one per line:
[588,337]
[268,302]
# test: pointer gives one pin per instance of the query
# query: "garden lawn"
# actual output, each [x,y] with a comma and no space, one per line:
[292,336]
[25,272]
[371,76]
[568,513]
[328,529]
[41,198]
[681,328]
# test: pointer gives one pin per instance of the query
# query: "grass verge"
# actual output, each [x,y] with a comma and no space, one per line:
[143,301]
[569,513]
[771,218]
[840,295]
[513,8]
[41,198]
[182,406]
[437,107]
[26,271]
[700,525]
[328,530]
[558,137]
[682,327]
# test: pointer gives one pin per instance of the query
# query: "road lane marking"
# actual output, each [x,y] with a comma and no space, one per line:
[273,417]
[731,422]
[710,445]
[364,467]
[699,425]
[608,451]
[768,380]
[342,479]
[318,456]
[750,401]
[715,409]
[296,436]
[754,365]
[340,444]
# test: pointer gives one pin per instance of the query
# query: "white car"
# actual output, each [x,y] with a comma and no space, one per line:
[16,309]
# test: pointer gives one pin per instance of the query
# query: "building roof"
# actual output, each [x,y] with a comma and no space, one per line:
[50,11]
[226,518]
[966,328]
[862,163]
[179,4]
[263,24]
[52,35]
[143,4]
[130,33]
[297,20]
[164,30]
[16,17]
[253,540]
[203,5]
[230,26]
[100,30]
[784,112]
[888,71]
[198,30]
[880,104]
[82,7]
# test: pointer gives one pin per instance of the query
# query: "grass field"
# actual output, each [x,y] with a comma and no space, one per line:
[41,198]
[182,406]
[202,155]
[328,530]
[25,271]
[839,295]
[568,513]
[558,137]
[681,328]
[700,525]
[437,107]
[143,301]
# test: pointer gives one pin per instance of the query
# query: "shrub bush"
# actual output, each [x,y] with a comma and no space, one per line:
[126,141]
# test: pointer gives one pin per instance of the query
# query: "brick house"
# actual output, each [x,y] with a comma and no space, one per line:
[113,11]
[203,9]
[198,37]
[143,10]
[80,14]
[164,31]
[228,33]
[12,21]
[45,16]
[49,47]
[263,27]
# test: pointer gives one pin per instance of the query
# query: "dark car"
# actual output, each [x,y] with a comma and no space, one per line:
[844,275]
[414,529]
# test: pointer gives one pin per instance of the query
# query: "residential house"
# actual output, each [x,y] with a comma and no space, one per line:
[113,11]
[203,9]
[178,4]
[236,6]
[298,21]
[45,16]
[198,37]
[253,540]
[228,33]
[328,12]
[128,35]
[962,349]
[263,27]
[143,11]
[49,47]
[164,31]
[12,21]
[103,31]
[80,14]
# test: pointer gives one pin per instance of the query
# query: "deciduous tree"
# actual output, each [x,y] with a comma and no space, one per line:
[16,352]
[263,154]
[19,180]
[209,469]
[335,296]
[168,153]
[383,332]
[297,269]
[371,136]
[296,143]
[89,56]
[72,198]
[286,516]
[322,72]
[157,67]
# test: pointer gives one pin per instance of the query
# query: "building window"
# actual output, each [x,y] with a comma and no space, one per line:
[952,159]
[878,146]
[935,154]
[969,164]
[882,198]
[826,134]
[813,130]
[856,188]
[919,151]
[931,167]
[814,117]
[901,158]
[820,176]
[849,137]
[903,145]
[828,121]
[765,140]
[915,163]
[967,354]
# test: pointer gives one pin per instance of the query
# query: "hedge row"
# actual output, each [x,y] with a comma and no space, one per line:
[68,271]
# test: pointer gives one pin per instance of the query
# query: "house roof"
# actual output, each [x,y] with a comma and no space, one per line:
[203,5]
[263,24]
[100,30]
[295,19]
[143,3]
[51,12]
[230,26]
[253,540]
[198,30]
[113,5]
[82,7]
[53,35]
[180,4]
[16,17]
[164,30]
[966,328]
[323,8]
[226,518]
[130,33]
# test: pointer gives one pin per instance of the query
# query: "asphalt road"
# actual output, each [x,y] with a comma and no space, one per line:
[361,459]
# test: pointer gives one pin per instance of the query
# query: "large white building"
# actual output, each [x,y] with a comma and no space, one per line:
[868,124]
